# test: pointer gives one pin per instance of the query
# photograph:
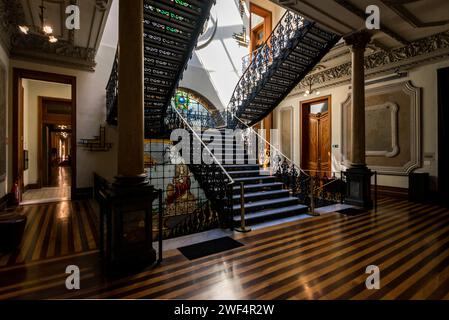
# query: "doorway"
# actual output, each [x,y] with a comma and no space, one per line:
[443,133]
[316,136]
[261,27]
[44,139]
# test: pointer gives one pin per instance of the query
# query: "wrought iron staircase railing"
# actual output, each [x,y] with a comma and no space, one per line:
[171,32]
[213,178]
[291,51]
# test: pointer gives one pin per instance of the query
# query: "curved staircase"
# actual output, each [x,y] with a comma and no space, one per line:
[292,51]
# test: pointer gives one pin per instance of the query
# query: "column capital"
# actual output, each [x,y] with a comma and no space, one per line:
[358,40]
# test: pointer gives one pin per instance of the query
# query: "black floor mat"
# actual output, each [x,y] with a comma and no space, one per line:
[352,211]
[203,249]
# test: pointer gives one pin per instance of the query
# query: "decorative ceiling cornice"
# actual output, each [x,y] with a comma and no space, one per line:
[62,52]
[35,48]
[417,53]
[11,15]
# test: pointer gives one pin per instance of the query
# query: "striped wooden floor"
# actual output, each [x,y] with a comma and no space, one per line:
[317,258]
[55,230]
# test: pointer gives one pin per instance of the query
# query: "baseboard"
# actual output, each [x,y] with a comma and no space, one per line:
[32,186]
[391,192]
[84,193]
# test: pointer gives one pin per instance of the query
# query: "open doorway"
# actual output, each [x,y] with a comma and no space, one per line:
[44,136]
[261,25]
[316,136]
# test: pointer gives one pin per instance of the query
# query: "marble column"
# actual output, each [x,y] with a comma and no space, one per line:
[358,175]
[130,98]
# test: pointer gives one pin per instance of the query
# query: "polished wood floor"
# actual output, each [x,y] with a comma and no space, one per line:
[317,258]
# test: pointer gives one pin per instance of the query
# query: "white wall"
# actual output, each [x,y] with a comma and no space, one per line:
[424,77]
[215,70]
[32,91]
[91,105]
[5,186]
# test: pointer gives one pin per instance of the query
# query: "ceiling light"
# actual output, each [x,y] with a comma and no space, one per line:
[24,29]
[317,93]
[47,29]
[52,39]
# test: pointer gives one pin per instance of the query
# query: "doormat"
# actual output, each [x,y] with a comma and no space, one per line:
[352,211]
[207,248]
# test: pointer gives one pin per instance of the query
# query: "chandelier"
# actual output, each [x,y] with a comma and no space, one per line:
[44,30]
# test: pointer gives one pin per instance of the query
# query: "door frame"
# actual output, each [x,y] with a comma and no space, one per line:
[40,126]
[268,23]
[18,75]
[302,106]
[443,133]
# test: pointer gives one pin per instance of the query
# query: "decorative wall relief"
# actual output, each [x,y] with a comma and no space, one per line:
[2,121]
[393,129]
[382,130]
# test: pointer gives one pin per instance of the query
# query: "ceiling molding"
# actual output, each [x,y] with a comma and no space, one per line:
[405,14]
[419,52]
[362,15]
[75,48]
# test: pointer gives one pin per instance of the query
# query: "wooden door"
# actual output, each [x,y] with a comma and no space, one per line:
[316,137]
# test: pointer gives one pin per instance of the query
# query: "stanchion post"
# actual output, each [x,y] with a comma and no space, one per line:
[243,227]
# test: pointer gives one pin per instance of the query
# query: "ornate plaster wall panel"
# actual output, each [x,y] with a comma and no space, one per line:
[382,130]
[286,127]
[393,129]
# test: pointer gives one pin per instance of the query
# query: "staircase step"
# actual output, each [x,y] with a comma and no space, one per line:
[255,196]
[266,204]
[271,214]
[239,167]
[259,187]
[246,173]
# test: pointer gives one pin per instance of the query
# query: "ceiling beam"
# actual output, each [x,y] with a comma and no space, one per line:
[410,18]
[362,15]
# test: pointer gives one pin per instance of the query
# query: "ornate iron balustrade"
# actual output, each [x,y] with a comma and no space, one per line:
[289,28]
[112,94]
[215,181]
[317,187]
[195,119]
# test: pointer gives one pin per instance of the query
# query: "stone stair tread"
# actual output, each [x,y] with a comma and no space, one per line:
[260,185]
[246,172]
[254,178]
[260,193]
[264,203]
[270,212]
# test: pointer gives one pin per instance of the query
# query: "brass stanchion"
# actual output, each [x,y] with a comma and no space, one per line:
[312,198]
[243,227]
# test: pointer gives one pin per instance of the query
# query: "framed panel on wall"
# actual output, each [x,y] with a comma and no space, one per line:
[286,128]
[393,129]
[2,122]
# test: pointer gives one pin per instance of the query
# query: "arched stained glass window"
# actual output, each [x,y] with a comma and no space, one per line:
[197,109]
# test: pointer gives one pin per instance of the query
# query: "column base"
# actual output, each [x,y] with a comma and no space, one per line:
[358,190]
[130,244]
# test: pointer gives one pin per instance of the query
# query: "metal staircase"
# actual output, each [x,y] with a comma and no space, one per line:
[171,31]
[292,50]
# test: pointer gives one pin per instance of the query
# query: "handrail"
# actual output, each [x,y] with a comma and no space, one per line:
[272,146]
[205,146]
[283,28]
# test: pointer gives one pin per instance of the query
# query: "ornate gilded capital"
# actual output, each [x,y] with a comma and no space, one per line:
[358,40]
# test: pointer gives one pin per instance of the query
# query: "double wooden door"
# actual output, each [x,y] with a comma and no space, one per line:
[316,137]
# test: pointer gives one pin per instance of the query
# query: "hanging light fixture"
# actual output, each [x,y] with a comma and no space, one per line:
[311,91]
[45,29]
